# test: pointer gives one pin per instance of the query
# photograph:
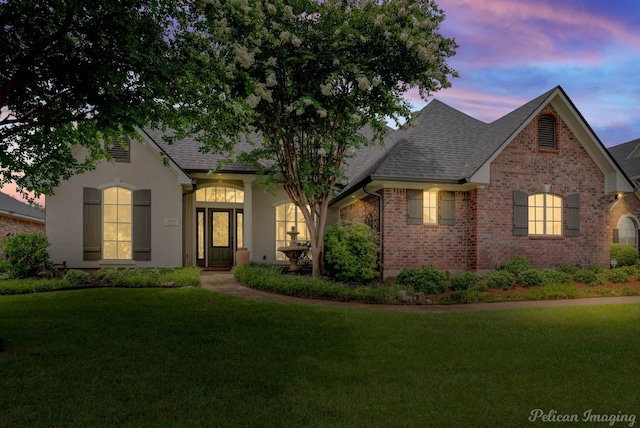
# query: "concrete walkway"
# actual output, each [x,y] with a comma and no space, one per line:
[223,282]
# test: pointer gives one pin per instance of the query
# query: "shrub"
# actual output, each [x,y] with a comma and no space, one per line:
[632,271]
[462,296]
[465,281]
[532,278]
[142,277]
[108,275]
[427,279]
[77,277]
[588,277]
[595,269]
[554,277]
[515,265]
[351,252]
[570,269]
[27,255]
[617,276]
[500,279]
[625,254]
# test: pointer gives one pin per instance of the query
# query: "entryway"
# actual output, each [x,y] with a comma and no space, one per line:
[218,237]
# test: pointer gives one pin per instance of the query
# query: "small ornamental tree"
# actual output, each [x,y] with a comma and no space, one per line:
[352,252]
[27,255]
[308,76]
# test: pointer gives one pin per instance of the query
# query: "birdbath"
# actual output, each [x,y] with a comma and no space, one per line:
[293,251]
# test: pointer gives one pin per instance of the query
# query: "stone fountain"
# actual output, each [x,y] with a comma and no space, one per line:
[293,251]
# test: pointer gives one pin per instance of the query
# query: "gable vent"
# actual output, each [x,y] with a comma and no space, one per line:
[117,152]
[547,132]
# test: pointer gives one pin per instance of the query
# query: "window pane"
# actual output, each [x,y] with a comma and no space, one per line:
[110,231]
[220,229]
[110,213]
[111,196]
[124,250]
[201,195]
[124,213]
[229,194]
[240,230]
[124,232]
[200,250]
[110,250]
[211,194]
[240,196]
[124,196]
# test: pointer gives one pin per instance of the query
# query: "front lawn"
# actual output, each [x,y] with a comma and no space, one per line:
[191,357]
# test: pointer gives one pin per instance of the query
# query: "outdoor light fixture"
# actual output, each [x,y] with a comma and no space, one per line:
[614,263]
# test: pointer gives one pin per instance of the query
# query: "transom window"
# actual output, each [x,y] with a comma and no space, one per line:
[117,223]
[430,207]
[220,194]
[287,216]
[545,215]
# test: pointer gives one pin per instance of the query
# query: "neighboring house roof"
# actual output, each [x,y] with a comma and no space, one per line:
[628,157]
[16,208]
[444,145]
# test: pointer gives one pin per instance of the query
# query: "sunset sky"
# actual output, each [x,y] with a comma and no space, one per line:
[511,51]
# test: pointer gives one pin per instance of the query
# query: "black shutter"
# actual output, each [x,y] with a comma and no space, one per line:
[520,213]
[448,208]
[414,207]
[141,225]
[91,224]
[573,215]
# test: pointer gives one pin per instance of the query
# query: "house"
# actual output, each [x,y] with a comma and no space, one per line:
[461,194]
[451,191]
[625,207]
[18,217]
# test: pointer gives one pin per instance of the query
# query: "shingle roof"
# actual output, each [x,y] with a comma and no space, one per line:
[443,144]
[621,153]
[14,206]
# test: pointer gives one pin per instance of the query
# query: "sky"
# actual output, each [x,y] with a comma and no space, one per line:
[511,51]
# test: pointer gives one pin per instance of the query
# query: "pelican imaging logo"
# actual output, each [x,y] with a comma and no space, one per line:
[611,419]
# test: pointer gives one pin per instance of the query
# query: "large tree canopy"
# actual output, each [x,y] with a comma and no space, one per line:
[76,72]
[308,76]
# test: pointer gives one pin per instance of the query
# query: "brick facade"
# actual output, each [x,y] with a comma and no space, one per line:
[483,234]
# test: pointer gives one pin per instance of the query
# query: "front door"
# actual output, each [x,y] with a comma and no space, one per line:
[220,238]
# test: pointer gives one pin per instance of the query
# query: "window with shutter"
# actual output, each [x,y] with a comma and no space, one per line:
[91,227]
[448,208]
[520,213]
[141,220]
[414,207]
[573,215]
[547,132]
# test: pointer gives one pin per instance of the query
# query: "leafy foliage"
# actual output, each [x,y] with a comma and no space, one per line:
[308,77]
[75,73]
[500,279]
[427,279]
[27,255]
[588,277]
[625,254]
[270,278]
[515,265]
[77,277]
[465,281]
[617,276]
[352,252]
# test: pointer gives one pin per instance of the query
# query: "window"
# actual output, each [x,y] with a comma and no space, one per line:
[547,132]
[627,232]
[424,207]
[545,214]
[430,207]
[117,219]
[116,224]
[287,216]
[220,194]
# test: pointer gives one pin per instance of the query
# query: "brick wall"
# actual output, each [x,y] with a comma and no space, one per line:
[629,205]
[523,166]
[483,234]
[363,211]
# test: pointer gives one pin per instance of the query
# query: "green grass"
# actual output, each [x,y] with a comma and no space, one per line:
[191,357]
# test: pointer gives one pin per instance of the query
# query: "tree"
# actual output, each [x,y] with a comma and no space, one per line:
[308,76]
[75,73]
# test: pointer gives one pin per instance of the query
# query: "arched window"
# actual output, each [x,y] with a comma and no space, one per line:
[547,132]
[545,215]
[220,194]
[627,232]
[117,219]
[288,215]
